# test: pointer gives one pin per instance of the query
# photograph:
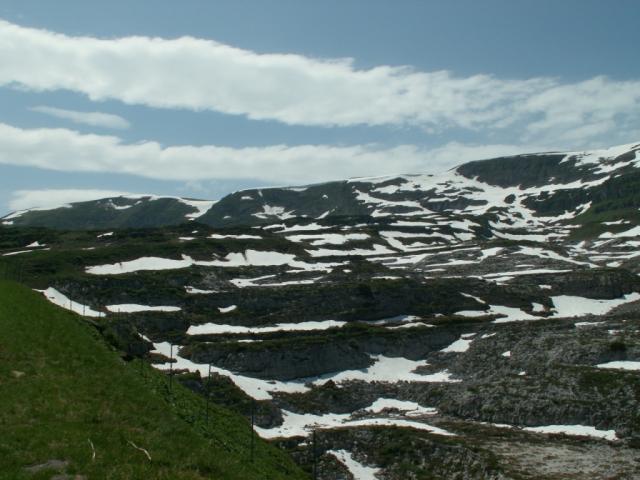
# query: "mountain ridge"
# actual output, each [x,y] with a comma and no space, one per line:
[352,197]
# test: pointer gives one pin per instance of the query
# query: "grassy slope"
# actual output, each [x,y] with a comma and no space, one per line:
[75,389]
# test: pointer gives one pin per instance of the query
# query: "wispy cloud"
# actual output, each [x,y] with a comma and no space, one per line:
[52,198]
[96,119]
[202,74]
[68,150]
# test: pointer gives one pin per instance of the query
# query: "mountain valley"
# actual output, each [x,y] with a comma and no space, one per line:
[483,323]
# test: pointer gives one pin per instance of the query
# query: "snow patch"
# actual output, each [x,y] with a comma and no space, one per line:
[459,346]
[58,298]
[409,408]
[389,369]
[133,308]
[218,329]
[301,425]
[575,430]
[620,365]
[254,387]
[271,211]
[228,309]
[571,306]
[196,291]
[218,236]
[357,469]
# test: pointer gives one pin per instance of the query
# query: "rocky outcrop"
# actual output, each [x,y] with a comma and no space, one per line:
[303,357]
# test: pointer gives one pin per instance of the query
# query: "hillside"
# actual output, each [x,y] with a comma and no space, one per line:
[67,396]
[118,212]
[560,194]
[479,324]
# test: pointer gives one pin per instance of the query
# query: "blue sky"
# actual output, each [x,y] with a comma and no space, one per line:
[200,98]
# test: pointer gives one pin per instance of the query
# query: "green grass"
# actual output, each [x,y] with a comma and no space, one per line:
[62,387]
[592,226]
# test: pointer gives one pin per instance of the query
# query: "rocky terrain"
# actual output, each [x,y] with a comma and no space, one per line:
[481,323]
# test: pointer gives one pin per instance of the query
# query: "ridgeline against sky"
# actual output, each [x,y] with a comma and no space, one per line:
[203,98]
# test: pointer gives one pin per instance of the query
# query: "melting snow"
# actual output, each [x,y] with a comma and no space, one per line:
[570,306]
[389,369]
[377,250]
[252,282]
[620,365]
[588,324]
[248,258]
[271,211]
[409,408]
[228,309]
[197,291]
[459,346]
[328,238]
[16,253]
[301,425]
[490,252]
[575,430]
[634,232]
[254,387]
[509,314]
[218,236]
[262,258]
[133,308]
[35,244]
[217,329]
[144,263]
[54,296]
[358,470]
[537,307]
[549,254]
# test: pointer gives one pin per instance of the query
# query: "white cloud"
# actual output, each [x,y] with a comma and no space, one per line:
[202,74]
[584,110]
[52,198]
[68,150]
[96,119]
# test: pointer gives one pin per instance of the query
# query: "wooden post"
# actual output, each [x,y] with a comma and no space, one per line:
[253,422]
[208,393]
[171,367]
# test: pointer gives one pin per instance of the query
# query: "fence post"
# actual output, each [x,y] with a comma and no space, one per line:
[171,367]
[208,394]
[253,422]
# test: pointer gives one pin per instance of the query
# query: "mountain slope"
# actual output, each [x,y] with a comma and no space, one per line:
[478,324]
[118,212]
[65,395]
[449,360]
[543,191]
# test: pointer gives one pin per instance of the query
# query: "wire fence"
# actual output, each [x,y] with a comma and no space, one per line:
[17,271]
